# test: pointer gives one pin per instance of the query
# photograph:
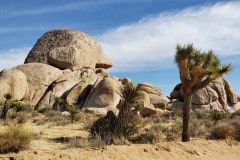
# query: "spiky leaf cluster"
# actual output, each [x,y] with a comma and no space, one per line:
[129,93]
[198,68]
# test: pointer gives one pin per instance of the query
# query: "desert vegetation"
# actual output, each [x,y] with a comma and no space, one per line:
[15,139]
[70,121]
[196,71]
[101,131]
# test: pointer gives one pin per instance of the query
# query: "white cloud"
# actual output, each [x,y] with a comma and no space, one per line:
[13,57]
[150,43]
[79,5]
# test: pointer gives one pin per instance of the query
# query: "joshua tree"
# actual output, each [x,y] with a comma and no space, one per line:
[7,105]
[196,71]
[127,109]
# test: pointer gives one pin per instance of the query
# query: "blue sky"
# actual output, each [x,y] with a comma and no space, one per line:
[138,35]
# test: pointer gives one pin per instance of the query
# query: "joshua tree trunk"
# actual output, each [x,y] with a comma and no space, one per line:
[186,117]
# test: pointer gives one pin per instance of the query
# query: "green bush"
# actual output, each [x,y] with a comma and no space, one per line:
[15,139]
[20,106]
[72,109]
[218,115]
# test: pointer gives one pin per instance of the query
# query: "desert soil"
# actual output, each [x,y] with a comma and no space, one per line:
[47,148]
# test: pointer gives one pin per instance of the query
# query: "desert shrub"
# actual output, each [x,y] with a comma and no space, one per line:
[97,142]
[72,109]
[221,131]
[14,139]
[152,136]
[218,115]
[22,117]
[235,114]
[236,124]
[56,118]
[145,138]
[20,106]
[171,136]
[238,99]
[173,132]
[104,128]
[200,114]
[197,128]
[79,142]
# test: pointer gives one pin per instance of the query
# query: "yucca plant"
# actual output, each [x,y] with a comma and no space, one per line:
[127,110]
[196,71]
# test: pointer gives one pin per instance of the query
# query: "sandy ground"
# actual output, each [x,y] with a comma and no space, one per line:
[194,150]
[45,148]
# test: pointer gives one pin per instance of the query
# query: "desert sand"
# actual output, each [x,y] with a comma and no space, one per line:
[47,147]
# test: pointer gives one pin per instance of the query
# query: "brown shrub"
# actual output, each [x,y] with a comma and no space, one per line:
[16,138]
[221,131]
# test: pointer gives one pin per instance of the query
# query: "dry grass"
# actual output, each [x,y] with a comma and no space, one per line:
[222,131]
[14,139]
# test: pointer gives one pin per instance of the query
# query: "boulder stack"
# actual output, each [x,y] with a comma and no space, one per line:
[68,49]
[71,66]
[218,95]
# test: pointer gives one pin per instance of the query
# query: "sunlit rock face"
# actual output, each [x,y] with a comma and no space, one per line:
[68,49]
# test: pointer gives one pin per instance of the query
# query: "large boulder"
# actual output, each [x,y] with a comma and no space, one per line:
[68,49]
[157,98]
[79,93]
[13,81]
[204,96]
[68,80]
[231,94]
[147,108]
[65,86]
[103,96]
[39,78]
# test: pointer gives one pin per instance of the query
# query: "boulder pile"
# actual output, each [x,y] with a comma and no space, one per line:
[71,66]
[218,95]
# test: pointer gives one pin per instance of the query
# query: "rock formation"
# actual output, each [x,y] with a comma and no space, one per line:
[13,81]
[218,95]
[71,66]
[68,49]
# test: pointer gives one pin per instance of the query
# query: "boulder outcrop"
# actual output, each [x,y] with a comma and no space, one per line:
[39,78]
[104,94]
[69,67]
[217,95]
[68,49]
[13,81]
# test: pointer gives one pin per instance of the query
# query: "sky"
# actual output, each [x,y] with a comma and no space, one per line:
[140,36]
